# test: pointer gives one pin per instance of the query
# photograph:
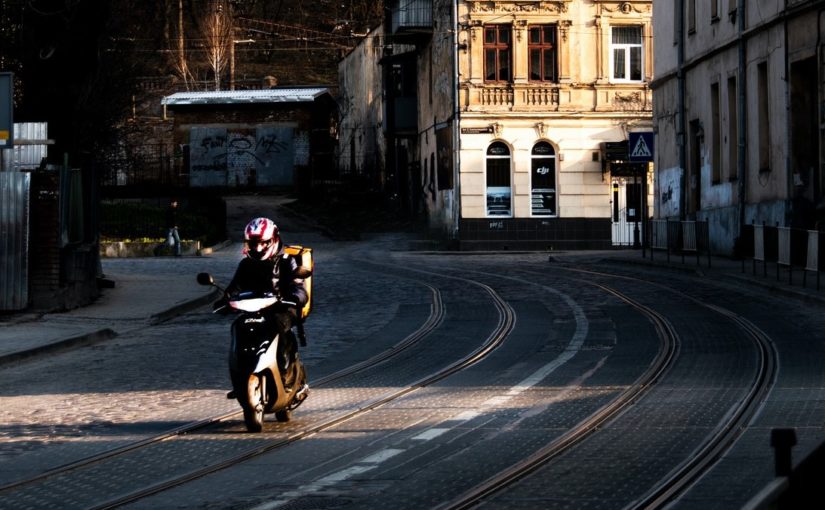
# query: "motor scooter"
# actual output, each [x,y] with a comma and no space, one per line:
[266,372]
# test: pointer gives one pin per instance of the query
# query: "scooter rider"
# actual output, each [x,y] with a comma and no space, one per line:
[267,269]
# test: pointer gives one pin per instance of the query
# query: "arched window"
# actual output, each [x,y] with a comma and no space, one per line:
[499,191]
[543,180]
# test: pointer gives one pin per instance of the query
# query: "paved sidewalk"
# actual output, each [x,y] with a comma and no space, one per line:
[140,297]
[766,278]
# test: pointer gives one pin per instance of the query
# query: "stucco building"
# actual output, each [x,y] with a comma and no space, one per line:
[737,114]
[498,114]
[279,136]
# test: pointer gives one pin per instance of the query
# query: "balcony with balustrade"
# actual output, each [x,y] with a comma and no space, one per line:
[561,97]
[410,20]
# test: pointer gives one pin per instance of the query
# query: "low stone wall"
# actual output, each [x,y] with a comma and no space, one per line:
[142,249]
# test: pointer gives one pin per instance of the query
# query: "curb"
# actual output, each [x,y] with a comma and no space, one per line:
[60,345]
[678,268]
[778,289]
[702,271]
[100,335]
[211,249]
[182,308]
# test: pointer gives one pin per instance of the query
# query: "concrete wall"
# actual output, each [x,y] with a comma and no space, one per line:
[249,144]
[436,140]
[772,181]
[361,142]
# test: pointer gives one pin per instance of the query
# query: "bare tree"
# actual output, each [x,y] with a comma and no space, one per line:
[178,55]
[216,29]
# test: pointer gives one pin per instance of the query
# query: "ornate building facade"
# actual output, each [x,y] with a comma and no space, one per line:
[544,87]
[502,119]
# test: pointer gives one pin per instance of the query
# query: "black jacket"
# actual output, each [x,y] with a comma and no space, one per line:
[276,275]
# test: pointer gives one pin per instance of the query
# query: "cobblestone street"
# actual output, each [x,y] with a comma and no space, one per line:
[568,350]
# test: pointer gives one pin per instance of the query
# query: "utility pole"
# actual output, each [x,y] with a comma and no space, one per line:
[232,44]
[742,121]
[681,138]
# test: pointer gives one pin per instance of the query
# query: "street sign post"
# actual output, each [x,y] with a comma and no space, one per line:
[6,107]
[640,150]
[640,146]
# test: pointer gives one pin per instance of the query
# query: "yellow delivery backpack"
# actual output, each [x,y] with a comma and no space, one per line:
[303,256]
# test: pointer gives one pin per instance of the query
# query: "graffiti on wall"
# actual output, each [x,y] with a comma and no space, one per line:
[668,185]
[207,156]
[254,156]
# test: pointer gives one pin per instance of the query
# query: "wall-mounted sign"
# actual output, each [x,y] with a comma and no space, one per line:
[476,131]
[614,151]
[444,150]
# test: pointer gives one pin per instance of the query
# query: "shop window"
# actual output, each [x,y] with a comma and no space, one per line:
[543,180]
[497,55]
[499,191]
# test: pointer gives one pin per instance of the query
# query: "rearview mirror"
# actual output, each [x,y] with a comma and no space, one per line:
[205,279]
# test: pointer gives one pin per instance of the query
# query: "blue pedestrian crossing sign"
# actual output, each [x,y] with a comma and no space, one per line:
[640,146]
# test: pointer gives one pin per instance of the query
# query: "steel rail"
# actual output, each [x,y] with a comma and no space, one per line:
[685,474]
[728,432]
[726,435]
[495,339]
[434,319]
[668,350]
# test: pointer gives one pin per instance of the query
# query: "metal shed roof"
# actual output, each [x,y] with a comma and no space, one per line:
[280,95]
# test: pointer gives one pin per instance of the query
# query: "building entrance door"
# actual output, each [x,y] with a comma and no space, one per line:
[626,210]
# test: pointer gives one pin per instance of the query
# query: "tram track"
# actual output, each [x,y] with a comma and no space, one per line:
[726,434]
[504,325]
[686,473]
[434,319]
[668,349]
[666,490]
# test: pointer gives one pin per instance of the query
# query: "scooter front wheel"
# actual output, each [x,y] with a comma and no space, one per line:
[253,408]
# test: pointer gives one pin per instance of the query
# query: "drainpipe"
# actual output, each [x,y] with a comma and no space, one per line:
[680,114]
[741,167]
[456,132]
[817,177]
[788,133]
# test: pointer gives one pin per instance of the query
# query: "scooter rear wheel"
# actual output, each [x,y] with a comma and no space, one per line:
[283,415]
[253,409]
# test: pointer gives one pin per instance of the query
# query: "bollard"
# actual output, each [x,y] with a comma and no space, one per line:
[782,441]
[783,258]
[812,258]
[758,245]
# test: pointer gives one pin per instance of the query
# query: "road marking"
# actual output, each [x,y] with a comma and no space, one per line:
[361,466]
[374,460]
[431,434]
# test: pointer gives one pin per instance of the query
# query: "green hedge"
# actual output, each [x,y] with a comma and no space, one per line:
[200,219]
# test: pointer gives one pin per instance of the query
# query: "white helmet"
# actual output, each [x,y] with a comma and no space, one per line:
[262,239]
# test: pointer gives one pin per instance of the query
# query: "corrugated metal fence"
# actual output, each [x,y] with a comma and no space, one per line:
[30,146]
[14,232]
